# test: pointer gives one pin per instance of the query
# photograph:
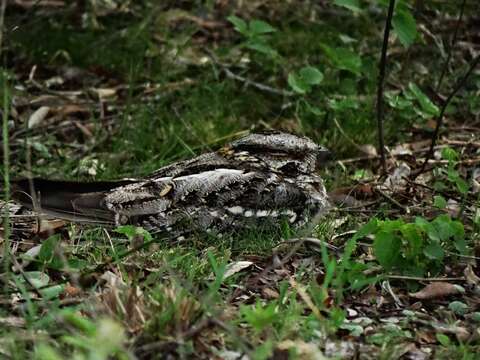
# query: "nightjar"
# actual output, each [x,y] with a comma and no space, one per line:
[262,178]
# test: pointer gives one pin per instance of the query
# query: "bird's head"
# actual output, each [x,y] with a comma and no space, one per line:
[284,150]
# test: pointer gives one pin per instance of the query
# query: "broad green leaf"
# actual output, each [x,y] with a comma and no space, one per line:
[297,84]
[413,234]
[52,292]
[353,5]
[311,75]
[239,24]
[343,104]
[387,249]
[405,27]
[434,251]
[261,47]
[462,185]
[443,339]
[258,27]
[46,352]
[130,231]
[458,307]
[47,251]
[38,279]
[343,58]
[457,229]
[426,104]
[450,154]
[439,202]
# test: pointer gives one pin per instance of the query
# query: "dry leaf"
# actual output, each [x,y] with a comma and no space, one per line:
[368,149]
[396,181]
[270,294]
[38,116]
[236,267]
[303,350]
[470,276]
[436,290]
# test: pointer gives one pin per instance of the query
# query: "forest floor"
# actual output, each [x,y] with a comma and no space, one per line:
[112,89]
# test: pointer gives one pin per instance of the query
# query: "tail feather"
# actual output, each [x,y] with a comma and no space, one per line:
[70,200]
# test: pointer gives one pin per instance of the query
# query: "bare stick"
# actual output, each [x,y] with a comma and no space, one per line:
[459,85]
[452,44]
[381,79]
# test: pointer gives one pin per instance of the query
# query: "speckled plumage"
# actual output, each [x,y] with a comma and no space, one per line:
[259,178]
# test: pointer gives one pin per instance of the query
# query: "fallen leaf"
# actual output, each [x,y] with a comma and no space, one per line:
[369,149]
[38,116]
[270,294]
[470,276]
[13,321]
[236,267]
[303,350]
[436,290]
[396,181]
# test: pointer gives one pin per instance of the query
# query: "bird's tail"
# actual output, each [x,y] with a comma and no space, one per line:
[69,200]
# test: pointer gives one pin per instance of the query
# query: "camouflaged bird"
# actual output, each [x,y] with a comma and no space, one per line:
[258,179]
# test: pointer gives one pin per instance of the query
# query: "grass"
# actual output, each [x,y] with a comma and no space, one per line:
[172,298]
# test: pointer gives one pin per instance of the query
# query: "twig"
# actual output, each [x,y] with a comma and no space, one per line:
[310,240]
[418,278]
[6,168]
[246,81]
[392,200]
[346,136]
[450,50]
[459,85]
[381,80]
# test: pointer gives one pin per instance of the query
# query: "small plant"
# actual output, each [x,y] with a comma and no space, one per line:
[256,33]
[416,248]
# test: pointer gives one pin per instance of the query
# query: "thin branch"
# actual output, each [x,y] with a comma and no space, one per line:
[459,85]
[450,49]
[245,80]
[381,79]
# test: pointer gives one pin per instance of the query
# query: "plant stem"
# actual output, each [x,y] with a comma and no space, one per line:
[381,79]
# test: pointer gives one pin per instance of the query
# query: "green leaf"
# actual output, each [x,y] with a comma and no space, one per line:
[259,316]
[352,5]
[303,81]
[343,58]
[258,27]
[261,47]
[130,231]
[38,279]
[462,185]
[47,251]
[443,339]
[46,352]
[297,84]
[80,322]
[450,154]
[458,307]
[311,75]
[426,104]
[439,202]
[405,27]
[386,247]
[239,24]
[52,292]
[434,251]
[413,234]
[343,104]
